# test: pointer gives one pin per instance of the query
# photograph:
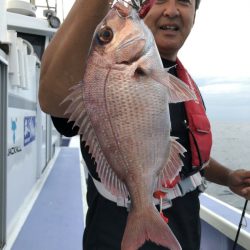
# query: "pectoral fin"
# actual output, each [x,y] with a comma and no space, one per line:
[178,91]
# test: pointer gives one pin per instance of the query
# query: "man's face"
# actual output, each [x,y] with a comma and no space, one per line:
[171,22]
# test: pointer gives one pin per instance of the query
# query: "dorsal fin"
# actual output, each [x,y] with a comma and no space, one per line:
[78,114]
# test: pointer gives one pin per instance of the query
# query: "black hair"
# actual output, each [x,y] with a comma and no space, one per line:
[197,3]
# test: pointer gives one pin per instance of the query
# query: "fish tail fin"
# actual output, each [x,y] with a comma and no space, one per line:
[147,226]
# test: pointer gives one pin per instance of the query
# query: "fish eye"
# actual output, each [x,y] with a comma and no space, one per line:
[105,35]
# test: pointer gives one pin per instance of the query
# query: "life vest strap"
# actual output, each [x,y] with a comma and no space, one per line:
[184,186]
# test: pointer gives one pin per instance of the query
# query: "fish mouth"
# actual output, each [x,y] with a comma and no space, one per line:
[122,10]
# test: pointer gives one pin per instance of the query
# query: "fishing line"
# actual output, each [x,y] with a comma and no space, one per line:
[240,224]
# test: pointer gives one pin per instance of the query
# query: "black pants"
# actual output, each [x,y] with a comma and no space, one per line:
[105,222]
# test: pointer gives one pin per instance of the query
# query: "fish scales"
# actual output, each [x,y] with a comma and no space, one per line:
[139,119]
[122,110]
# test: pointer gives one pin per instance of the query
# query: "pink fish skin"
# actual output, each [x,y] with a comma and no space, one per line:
[121,108]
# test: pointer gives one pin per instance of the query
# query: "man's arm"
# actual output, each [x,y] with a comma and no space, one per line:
[64,60]
[237,180]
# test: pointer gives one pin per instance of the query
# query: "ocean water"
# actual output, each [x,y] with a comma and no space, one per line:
[228,108]
[228,102]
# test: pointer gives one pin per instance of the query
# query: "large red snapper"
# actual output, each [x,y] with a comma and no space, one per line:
[122,111]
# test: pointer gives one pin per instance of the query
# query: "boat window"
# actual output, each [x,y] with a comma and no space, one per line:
[37,41]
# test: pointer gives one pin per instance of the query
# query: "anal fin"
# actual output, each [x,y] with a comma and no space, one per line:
[174,163]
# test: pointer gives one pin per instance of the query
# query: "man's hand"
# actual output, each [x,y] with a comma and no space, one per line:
[239,182]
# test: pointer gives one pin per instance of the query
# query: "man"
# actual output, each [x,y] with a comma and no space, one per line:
[63,65]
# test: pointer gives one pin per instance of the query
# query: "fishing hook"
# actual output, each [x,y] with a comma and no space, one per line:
[136,4]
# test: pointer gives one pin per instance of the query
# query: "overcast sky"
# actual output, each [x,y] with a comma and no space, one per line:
[219,44]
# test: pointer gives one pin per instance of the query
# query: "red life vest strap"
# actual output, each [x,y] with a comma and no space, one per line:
[200,135]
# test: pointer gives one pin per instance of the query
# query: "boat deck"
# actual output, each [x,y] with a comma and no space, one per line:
[55,220]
